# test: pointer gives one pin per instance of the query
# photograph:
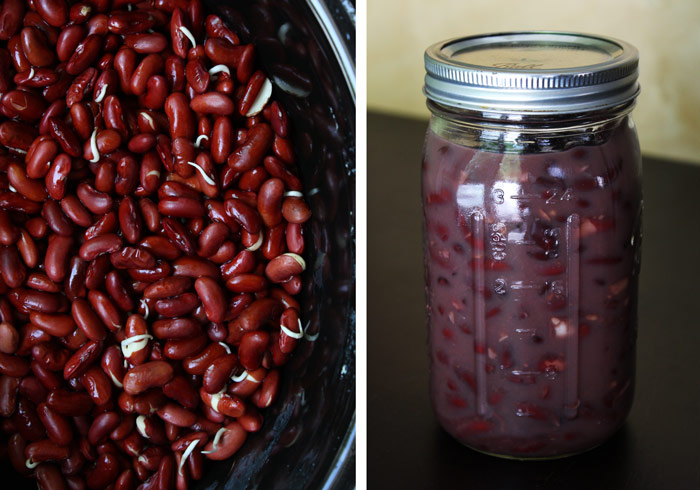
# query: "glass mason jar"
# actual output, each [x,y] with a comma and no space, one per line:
[532,229]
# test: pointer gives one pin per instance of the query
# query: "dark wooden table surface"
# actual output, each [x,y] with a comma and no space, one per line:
[659,446]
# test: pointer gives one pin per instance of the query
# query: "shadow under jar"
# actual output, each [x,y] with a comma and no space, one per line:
[532,206]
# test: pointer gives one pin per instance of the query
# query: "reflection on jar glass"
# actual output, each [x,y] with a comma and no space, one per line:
[532,207]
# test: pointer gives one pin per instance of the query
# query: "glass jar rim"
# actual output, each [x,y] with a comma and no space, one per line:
[537,72]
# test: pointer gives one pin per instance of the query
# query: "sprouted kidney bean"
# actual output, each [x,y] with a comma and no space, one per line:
[151,232]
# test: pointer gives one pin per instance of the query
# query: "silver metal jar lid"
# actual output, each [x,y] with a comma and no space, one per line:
[538,72]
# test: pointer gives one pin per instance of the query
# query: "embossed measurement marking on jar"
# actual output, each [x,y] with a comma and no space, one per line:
[554,196]
[498,238]
[524,285]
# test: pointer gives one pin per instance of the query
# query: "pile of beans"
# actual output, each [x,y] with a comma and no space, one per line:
[150,242]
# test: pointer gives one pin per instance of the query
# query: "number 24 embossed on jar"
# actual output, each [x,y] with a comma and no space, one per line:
[532,206]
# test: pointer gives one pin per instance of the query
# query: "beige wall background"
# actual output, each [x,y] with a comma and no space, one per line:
[666,32]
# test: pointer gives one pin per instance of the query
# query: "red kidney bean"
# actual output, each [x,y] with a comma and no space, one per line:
[221,51]
[27,422]
[72,465]
[223,404]
[57,256]
[251,420]
[82,359]
[231,441]
[25,105]
[156,92]
[168,287]
[27,300]
[102,244]
[11,365]
[293,286]
[11,15]
[65,136]
[57,175]
[273,243]
[259,313]
[87,320]
[112,365]
[55,218]
[221,139]
[68,41]
[142,143]
[16,446]
[195,267]
[212,103]
[181,207]
[251,92]
[105,309]
[41,282]
[9,338]
[295,238]
[103,473]
[244,215]
[212,298]
[178,235]
[242,263]
[146,43]
[179,349]
[54,12]
[97,385]
[85,53]
[45,450]
[198,364]
[277,168]
[295,210]
[180,117]
[101,427]
[270,202]
[39,78]
[69,403]
[246,283]
[211,239]
[278,119]
[75,281]
[29,188]
[176,415]
[9,233]
[17,136]
[219,372]
[57,426]
[50,356]
[73,340]
[252,348]
[97,202]
[176,328]
[33,389]
[197,75]
[248,156]
[129,220]
[284,267]
[149,375]
[9,386]
[36,47]
[180,390]
[216,29]
[39,157]
[252,180]
[282,147]
[13,271]
[55,325]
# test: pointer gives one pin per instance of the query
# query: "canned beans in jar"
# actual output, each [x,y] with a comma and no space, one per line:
[151,237]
